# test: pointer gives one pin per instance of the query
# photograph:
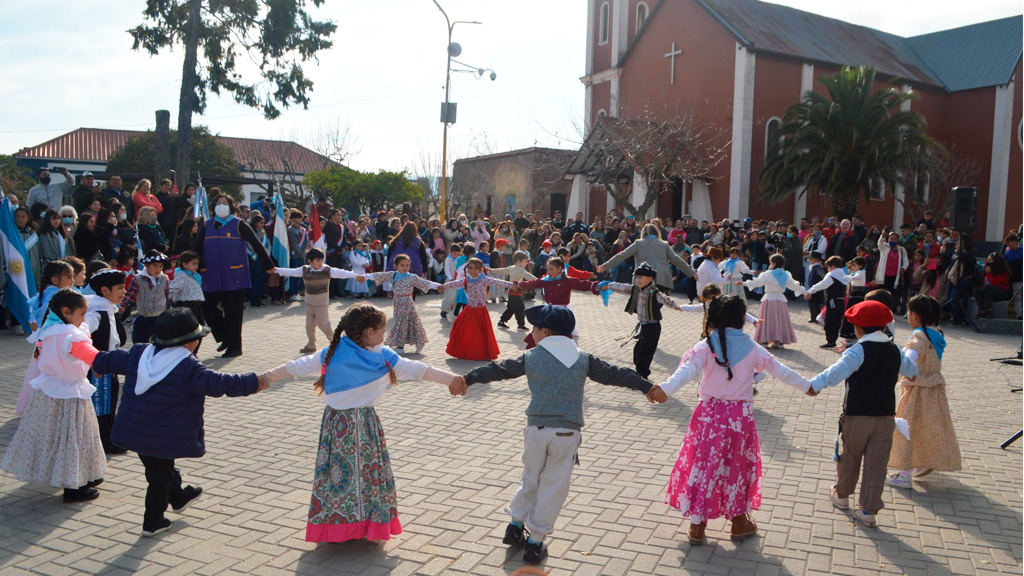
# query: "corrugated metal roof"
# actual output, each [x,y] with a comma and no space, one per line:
[973,56]
[97,144]
[960,59]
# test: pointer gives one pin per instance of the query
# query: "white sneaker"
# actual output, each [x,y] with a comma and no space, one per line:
[419,348]
[864,518]
[898,481]
[400,350]
[841,503]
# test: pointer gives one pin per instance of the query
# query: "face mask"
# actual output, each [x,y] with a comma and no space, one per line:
[789,234]
[67,221]
[892,244]
[14,207]
[222,210]
[44,180]
[734,257]
[41,215]
[817,232]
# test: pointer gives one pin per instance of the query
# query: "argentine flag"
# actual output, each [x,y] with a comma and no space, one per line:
[200,205]
[279,248]
[20,284]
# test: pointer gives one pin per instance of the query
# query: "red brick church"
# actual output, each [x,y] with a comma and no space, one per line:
[739,64]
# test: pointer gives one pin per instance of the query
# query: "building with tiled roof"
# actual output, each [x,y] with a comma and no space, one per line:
[89,148]
[739,64]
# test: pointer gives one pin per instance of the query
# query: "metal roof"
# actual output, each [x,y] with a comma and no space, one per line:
[973,56]
[97,144]
[960,59]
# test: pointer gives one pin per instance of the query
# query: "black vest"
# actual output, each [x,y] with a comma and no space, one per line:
[871,390]
[836,290]
[653,305]
[101,337]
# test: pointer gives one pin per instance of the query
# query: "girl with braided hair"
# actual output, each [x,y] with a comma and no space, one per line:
[718,472]
[353,486]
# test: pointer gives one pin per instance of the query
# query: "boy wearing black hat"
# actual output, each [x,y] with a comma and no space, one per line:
[871,368]
[107,334]
[555,371]
[645,300]
[150,291]
[161,413]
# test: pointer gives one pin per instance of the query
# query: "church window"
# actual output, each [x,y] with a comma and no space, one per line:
[773,138]
[601,112]
[641,15]
[605,15]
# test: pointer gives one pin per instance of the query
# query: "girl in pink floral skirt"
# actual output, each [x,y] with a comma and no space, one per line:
[718,472]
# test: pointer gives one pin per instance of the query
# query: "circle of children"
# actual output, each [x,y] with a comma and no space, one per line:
[71,416]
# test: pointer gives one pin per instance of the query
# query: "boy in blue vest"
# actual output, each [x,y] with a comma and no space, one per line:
[871,368]
[555,371]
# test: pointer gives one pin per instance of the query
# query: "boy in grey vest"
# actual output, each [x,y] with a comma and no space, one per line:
[555,373]
[149,291]
[317,278]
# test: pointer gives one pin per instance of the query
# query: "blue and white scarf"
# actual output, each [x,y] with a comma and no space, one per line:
[361,366]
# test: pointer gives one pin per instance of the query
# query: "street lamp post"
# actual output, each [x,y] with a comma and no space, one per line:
[449,109]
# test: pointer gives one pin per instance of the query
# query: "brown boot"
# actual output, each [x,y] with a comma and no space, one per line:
[743,527]
[696,534]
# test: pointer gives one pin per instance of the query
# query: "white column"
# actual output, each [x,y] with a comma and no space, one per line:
[588,109]
[700,207]
[619,30]
[591,16]
[999,173]
[898,195]
[579,197]
[613,106]
[806,85]
[742,132]
[682,203]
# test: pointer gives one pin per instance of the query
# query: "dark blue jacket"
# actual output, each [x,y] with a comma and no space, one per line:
[167,421]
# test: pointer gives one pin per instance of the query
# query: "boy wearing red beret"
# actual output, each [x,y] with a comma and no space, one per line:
[871,368]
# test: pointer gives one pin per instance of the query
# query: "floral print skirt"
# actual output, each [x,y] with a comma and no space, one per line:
[57,443]
[718,472]
[407,327]
[353,487]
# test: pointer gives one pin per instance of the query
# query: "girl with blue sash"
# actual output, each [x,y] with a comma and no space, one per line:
[353,487]
[774,327]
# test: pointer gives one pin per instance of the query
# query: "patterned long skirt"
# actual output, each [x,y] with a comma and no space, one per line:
[353,487]
[718,472]
[407,327]
[775,324]
[57,443]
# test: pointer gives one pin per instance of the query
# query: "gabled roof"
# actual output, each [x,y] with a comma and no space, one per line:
[520,152]
[964,58]
[97,144]
[618,147]
[973,56]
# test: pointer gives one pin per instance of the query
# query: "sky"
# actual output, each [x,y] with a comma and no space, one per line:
[383,79]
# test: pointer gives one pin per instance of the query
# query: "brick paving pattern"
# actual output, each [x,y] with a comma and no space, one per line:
[457,461]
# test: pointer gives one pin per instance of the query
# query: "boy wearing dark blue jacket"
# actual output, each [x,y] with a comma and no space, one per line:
[161,412]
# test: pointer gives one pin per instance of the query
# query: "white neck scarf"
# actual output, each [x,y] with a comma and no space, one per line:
[562,348]
[155,366]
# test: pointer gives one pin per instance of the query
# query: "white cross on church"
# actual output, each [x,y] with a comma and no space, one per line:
[672,54]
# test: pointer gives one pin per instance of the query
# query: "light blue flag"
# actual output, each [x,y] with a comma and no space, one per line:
[21,285]
[279,248]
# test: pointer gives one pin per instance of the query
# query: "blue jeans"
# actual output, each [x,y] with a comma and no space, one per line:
[295,285]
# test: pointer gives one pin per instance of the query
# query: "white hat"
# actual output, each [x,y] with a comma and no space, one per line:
[86,174]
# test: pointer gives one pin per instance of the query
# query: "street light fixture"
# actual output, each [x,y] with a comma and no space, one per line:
[449,109]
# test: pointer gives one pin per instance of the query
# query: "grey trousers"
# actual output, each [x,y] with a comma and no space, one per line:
[867,438]
[549,455]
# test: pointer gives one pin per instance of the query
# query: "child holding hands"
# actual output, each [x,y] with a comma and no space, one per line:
[353,486]
[718,472]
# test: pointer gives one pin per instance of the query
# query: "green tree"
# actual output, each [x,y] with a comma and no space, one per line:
[847,143]
[363,191]
[278,36]
[14,179]
[138,155]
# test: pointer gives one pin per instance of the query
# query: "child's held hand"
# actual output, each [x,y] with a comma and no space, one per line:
[264,382]
[458,387]
[656,395]
[810,392]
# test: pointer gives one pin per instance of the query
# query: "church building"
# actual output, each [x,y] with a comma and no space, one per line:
[739,64]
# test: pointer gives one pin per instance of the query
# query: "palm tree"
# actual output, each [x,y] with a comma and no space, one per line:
[847,143]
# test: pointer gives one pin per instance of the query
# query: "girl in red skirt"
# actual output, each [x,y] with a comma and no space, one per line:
[774,327]
[472,337]
[718,472]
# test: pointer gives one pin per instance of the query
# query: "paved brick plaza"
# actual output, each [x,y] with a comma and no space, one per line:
[456,461]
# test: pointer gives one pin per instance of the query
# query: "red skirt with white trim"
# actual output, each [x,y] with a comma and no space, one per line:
[472,337]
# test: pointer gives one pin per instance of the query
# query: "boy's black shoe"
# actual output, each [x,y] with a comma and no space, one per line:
[223,346]
[514,535]
[191,495]
[84,494]
[232,354]
[522,328]
[94,483]
[535,553]
[162,526]
[444,315]
[502,325]
[114,450]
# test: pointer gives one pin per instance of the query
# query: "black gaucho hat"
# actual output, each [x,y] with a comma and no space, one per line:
[645,269]
[106,278]
[177,326]
[558,319]
[154,256]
